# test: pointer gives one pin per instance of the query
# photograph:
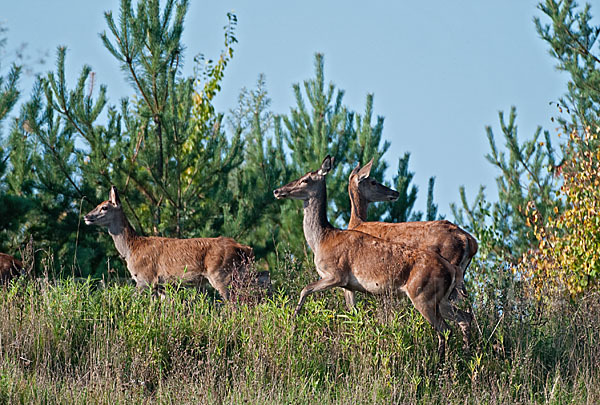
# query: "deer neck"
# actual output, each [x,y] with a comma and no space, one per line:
[315,221]
[123,235]
[358,208]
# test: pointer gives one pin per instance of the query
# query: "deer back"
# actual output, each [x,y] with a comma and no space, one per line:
[189,260]
[442,237]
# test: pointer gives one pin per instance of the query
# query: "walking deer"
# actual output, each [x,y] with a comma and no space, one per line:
[154,260]
[443,237]
[357,261]
[9,267]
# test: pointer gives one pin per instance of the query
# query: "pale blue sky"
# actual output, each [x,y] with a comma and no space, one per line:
[440,70]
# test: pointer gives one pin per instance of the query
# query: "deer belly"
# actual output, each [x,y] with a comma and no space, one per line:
[181,273]
[364,284]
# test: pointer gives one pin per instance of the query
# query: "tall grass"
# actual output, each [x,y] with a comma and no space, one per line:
[81,342]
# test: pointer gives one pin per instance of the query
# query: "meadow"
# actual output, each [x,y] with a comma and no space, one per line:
[95,341]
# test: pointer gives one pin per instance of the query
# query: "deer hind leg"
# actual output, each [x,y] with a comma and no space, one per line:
[220,284]
[450,312]
[350,298]
[320,285]
[429,310]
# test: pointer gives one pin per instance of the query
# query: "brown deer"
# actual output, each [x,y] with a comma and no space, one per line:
[154,260]
[357,261]
[443,237]
[9,267]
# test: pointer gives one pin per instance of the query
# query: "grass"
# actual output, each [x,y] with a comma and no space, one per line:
[79,342]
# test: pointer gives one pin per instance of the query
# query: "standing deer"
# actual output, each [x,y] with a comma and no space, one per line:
[153,260]
[9,267]
[357,261]
[443,237]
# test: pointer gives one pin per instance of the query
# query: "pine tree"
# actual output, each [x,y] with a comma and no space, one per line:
[320,125]
[9,95]
[572,38]
[402,210]
[431,213]
[366,145]
[254,210]
[12,207]
[526,175]
[170,159]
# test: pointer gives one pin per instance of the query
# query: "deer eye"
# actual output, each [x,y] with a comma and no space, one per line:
[304,181]
[104,208]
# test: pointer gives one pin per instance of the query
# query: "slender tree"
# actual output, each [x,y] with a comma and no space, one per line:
[164,148]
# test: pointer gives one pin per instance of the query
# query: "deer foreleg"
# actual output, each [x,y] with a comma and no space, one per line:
[321,285]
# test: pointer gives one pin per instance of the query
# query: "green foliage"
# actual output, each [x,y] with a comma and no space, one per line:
[572,38]
[319,125]
[402,209]
[84,342]
[166,150]
[207,79]
[12,207]
[254,211]
[526,174]
[528,217]
[167,159]
[68,145]
[365,145]
[431,212]
[567,257]
[9,93]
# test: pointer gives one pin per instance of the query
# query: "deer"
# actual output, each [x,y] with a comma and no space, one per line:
[443,237]
[9,267]
[153,260]
[356,261]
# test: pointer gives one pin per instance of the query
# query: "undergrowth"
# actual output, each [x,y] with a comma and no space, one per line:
[70,341]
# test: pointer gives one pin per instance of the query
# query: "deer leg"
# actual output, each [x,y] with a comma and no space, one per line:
[219,284]
[320,285]
[350,298]
[450,312]
[429,310]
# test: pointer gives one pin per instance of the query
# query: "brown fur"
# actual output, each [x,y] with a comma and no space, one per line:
[155,260]
[443,237]
[357,261]
[9,267]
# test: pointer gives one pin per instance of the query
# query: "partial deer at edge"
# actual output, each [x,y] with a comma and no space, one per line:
[155,260]
[9,267]
[443,237]
[357,261]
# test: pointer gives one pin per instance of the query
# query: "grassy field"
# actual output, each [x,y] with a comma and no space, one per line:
[83,342]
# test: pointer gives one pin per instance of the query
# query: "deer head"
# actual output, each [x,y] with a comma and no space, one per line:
[106,212]
[368,188]
[307,186]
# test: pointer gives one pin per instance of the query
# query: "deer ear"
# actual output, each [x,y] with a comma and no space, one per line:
[365,171]
[326,166]
[114,196]
[355,170]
